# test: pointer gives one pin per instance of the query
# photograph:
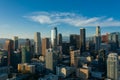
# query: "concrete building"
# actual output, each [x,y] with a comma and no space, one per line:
[64,71]
[82,73]
[26,68]
[73,57]
[45,45]
[112,66]
[37,40]
[50,60]
[97,38]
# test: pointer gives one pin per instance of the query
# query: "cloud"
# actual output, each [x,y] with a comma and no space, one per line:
[72,19]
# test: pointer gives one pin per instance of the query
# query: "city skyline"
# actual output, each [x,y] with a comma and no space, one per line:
[22,18]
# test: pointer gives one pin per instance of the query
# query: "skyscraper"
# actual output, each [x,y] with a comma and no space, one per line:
[114,38]
[97,38]
[45,45]
[54,37]
[82,40]
[37,40]
[60,39]
[50,60]
[15,42]
[75,41]
[9,48]
[25,55]
[112,66]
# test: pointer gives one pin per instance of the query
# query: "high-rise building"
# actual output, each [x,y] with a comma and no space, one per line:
[75,41]
[10,49]
[37,40]
[112,66]
[50,60]
[54,37]
[97,38]
[105,38]
[66,48]
[60,39]
[82,40]
[73,57]
[114,38]
[45,45]
[28,45]
[25,55]
[15,42]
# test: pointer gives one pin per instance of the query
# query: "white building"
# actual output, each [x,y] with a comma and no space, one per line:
[54,37]
[112,66]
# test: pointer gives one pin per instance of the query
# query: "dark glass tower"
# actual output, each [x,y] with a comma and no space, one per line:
[82,40]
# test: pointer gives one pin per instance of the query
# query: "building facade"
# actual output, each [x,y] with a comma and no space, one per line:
[112,66]
[82,40]
[37,40]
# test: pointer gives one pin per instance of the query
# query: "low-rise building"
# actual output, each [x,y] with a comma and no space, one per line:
[64,71]
[82,73]
[26,68]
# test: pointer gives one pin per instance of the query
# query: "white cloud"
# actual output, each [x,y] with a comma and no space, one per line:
[72,19]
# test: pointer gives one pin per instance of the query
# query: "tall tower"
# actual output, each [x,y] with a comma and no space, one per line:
[25,54]
[97,38]
[60,39]
[112,66]
[45,45]
[15,42]
[9,48]
[82,40]
[54,37]
[37,40]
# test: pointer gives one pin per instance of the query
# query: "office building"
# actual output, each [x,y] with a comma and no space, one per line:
[64,71]
[37,40]
[75,41]
[65,48]
[25,55]
[60,39]
[26,68]
[82,40]
[73,58]
[50,60]
[105,38]
[112,66]
[54,37]
[15,39]
[97,38]
[45,45]
[114,40]
[10,49]
[82,73]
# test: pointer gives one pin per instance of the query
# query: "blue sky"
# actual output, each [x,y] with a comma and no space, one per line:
[24,17]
